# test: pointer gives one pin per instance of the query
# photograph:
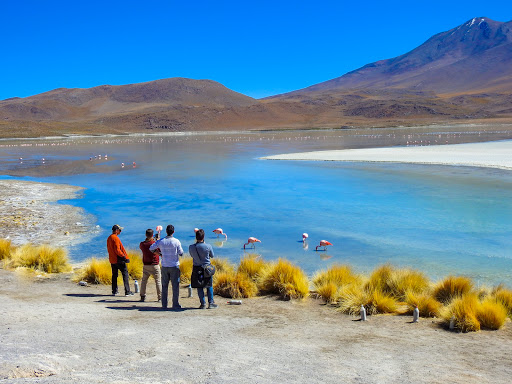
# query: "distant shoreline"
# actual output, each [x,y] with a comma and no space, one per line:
[494,154]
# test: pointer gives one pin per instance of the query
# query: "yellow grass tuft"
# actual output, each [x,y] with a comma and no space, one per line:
[6,248]
[253,266]
[95,272]
[328,292]
[491,314]
[397,282]
[452,287]
[427,305]
[379,279]
[504,296]
[186,264]
[380,302]
[135,265]
[464,309]
[234,285]
[222,265]
[351,298]
[43,258]
[339,275]
[286,280]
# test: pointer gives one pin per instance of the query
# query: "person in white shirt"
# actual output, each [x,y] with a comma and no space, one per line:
[171,251]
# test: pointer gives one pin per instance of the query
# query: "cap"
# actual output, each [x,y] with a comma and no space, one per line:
[116,227]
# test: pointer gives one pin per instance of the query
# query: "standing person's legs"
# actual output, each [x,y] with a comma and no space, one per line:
[200,294]
[124,271]
[146,272]
[209,292]
[165,285]
[175,281]
[158,281]
[114,278]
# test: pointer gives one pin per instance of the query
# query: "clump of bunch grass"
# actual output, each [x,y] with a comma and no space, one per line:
[95,272]
[135,265]
[253,266]
[186,264]
[222,265]
[452,287]
[427,305]
[464,311]
[504,296]
[328,283]
[234,285]
[491,314]
[43,258]
[351,298]
[397,282]
[286,280]
[6,248]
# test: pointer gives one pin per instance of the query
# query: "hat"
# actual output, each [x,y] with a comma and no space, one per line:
[116,227]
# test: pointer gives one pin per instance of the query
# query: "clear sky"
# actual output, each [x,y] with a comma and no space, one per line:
[258,48]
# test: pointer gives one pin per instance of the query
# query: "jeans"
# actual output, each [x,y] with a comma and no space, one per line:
[209,292]
[171,274]
[151,270]
[124,271]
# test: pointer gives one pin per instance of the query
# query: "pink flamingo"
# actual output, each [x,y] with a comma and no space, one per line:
[252,240]
[196,229]
[219,231]
[323,243]
[304,237]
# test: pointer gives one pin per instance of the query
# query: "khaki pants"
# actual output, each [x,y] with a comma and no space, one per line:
[151,270]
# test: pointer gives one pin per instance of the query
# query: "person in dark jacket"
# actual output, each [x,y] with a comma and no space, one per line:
[201,254]
[151,261]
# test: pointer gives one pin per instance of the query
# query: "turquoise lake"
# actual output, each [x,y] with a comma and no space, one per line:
[439,219]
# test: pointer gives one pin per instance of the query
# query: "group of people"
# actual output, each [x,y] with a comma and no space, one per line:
[169,250]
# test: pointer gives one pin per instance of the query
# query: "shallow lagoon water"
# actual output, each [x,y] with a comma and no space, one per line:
[440,219]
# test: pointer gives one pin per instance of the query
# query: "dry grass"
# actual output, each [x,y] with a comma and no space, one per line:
[329,292]
[253,266]
[504,296]
[135,265]
[464,309]
[380,302]
[340,275]
[452,287]
[42,258]
[286,280]
[491,314]
[234,285]
[186,264]
[222,265]
[351,298]
[6,248]
[397,282]
[427,305]
[95,272]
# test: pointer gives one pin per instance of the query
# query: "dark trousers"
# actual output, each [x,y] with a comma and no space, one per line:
[124,271]
[172,275]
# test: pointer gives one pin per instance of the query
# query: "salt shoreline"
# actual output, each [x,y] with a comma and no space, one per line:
[487,155]
[31,213]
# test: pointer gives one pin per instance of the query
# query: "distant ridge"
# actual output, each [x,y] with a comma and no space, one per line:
[458,76]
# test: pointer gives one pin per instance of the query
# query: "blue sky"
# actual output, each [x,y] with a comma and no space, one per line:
[258,48]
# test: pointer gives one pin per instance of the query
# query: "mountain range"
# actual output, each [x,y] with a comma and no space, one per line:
[464,74]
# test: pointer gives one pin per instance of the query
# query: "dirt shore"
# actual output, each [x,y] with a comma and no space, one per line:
[54,331]
[29,213]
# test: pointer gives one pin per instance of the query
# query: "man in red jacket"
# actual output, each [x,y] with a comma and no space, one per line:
[118,258]
[151,266]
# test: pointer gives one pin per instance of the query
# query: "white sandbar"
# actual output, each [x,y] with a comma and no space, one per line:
[496,154]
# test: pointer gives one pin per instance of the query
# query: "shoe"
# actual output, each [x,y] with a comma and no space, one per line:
[176,307]
[212,306]
[143,298]
[115,293]
[130,294]
[202,306]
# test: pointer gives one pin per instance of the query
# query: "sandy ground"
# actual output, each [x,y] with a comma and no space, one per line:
[492,155]
[28,213]
[54,331]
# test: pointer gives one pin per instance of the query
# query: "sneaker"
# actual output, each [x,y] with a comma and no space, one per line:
[212,306]
[202,306]
[176,307]
[142,298]
[130,294]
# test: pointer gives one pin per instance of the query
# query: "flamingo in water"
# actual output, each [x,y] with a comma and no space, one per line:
[323,243]
[219,231]
[304,237]
[252,240]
